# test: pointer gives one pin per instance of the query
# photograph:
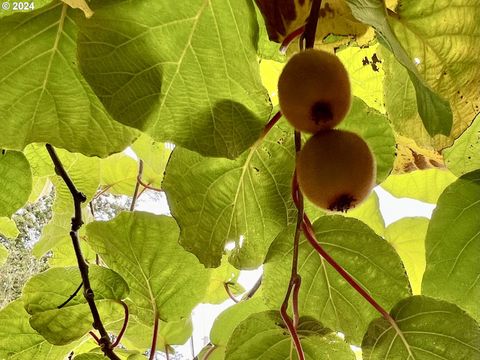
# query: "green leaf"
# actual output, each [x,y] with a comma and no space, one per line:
[154,155]
[18,341]
[3,254]
[165,281]
[224,275]
[435,112]
[8,228]
[45,292]
[407,236]
[139,335]
[119,174]
[427,329]
[89,356]
[324,294]
[187,74]
[246,201]
[264,336]
[424,185]
[227,321]
[45,98]
[453,244]
[15,180]
[464,155]
[369,213]
[376,131]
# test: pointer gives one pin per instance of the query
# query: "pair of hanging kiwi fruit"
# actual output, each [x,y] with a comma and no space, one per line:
[335,168]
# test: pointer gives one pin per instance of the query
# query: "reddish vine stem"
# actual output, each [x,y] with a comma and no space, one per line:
[268,126]
[153,347]
[295,279]
[125,324]
[308,231]
[229,292]
[141,182]
[79,198]
[253,290]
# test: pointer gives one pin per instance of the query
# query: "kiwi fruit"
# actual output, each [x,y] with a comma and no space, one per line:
[336,170]
[314,91]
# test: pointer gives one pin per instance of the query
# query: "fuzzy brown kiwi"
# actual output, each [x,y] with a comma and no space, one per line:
[314,91]
[336,170]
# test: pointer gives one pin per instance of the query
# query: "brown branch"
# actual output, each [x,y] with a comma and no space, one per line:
[79,198]
[166,352]
[271,123]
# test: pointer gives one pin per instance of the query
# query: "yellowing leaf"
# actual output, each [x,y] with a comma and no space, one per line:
[80,4]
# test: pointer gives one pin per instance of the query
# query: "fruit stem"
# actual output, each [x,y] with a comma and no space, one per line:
[311,26]
[271,123]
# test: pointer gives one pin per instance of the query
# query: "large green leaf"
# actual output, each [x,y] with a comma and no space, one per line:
[15,180]
[428,329]
[264,336]
[423,185]
[45,292]
[18,341]
[44,96]
[227,321]
[453,246]
[165,281]
[407,236]
[464,155]
[434,111]
[324,294]
[186,73]
[246,201]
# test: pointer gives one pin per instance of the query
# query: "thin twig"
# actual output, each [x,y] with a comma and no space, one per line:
[95,337]
[71,296]
[137,185]
[254,289]
[166,352]
[79,198]
[209,352]
[148,186]
[268,126]
[125,323]
[229,292]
